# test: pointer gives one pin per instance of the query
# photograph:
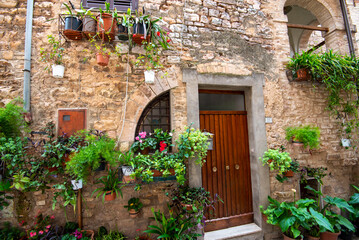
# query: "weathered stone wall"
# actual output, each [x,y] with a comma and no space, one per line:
[213,36]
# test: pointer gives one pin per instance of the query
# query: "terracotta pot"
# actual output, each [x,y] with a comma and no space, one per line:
[157,173]
[296,143]
[110,195]
[289,173]
[133,213]
[329,236]
[189,207]
[102,59]
[106,28]
[303,75]
[128,179]
[313,238]
[288,238]
[141,33]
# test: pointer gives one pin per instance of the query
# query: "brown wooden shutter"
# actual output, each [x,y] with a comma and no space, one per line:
[70,121]
[120,5]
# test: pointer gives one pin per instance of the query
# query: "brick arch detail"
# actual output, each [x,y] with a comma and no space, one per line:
[304,39]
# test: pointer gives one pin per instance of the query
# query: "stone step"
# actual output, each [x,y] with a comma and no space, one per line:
[244,232]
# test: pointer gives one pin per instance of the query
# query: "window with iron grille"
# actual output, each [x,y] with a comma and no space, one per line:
[156,115]
[120,5]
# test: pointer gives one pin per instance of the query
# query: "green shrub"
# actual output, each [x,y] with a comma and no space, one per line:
[11,119]
[307,135]
[277,160]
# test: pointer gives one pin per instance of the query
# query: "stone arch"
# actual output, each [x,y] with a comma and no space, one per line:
[305,37]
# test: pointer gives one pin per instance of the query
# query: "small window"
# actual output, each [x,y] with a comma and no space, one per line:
[156,115]
[221,101]
[120,5]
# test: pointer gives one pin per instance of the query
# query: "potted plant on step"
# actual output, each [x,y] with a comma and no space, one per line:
[308,136]
[134,207]
[53,57]
[110,186]
[277,160]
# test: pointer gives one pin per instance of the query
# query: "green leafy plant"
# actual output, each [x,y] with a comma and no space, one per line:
[174,227]
[110,183]
[9,232]
[54,55]
[307,135]
[193,143]
[144,140]
[4,186]
[68,195]
[277,160]
[11,119]
[134,203]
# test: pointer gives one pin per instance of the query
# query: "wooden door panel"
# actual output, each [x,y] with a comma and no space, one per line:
[230,158]
[70,121]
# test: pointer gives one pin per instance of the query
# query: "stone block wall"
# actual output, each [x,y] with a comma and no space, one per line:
[227,37]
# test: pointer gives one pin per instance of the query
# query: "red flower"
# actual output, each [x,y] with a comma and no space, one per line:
[134,35]
[158,33]
[168,40]
[163,146]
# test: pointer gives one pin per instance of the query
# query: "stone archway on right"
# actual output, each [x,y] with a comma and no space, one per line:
[315,23]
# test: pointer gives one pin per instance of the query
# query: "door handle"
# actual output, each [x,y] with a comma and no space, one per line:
[214,169]
[237,166]
[227,167]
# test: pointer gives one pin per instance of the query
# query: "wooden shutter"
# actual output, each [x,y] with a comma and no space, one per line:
[120,5]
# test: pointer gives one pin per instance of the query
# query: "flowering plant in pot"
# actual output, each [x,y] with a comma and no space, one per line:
[134,206]
[307,135]
[144,142]
[277,160]
[110,186]
[53,57]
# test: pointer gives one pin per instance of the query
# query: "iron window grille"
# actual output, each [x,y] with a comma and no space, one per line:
[120,5]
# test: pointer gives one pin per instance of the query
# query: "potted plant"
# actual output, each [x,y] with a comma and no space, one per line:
[277,160]
[89,21]
[54,57]
[301,65]
[73,25]
[127,169]
[106,23]
[134,207]
[110,186]
[305,135]
[144,143]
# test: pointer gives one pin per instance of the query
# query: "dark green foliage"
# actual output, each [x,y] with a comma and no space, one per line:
[109,183]
[10,233]
[70,227]
[11,119]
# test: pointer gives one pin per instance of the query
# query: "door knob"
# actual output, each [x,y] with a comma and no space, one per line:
[227,167]
[214,169]
[237,166]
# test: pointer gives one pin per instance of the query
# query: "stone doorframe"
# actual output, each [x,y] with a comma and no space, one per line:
[253,88]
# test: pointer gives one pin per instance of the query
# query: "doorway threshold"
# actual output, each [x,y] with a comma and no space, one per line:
[244,232]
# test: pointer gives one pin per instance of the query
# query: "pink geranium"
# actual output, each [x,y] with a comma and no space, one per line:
[48,226]
[142,134]
[137,138]
[41,232]
[32,234]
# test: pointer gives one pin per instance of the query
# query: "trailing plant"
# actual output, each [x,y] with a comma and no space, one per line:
[307,135]
[110,183]
[277,160]
[97,147]
[54,55]
[340,77]
[193,143]
[11,119]
[68,195]
[134,203]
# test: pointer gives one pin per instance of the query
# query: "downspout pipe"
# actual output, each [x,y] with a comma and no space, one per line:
[343,7]
[27,59]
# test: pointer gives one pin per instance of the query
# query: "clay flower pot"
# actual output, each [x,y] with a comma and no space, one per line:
[106,28]
[313,238]
[329,236]
[303,75]
[110,195]
[133,213]
[287,238]
[289,173]
[102,59]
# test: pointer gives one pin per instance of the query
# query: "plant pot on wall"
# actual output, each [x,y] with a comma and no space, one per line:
[303,74]
[149,76]
[122,32]
[313,238]
[289,173]
[89,27]
[102,59]
[58,71]
[106,26]
[110,195]
[329,236]
[140,33]
[287,238]
[73,28]
[133,213]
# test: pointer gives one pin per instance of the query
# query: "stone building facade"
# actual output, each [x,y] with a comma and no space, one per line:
[217,44]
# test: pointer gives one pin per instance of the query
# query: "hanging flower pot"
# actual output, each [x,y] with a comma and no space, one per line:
[149,76]
[106,26]
[110,195]
[73,28]
[303,75]
[141,33]
[188,207]
[58,71]
[122,32]
[89,27]
[102,59]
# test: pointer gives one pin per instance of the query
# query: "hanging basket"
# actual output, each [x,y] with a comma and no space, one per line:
[106,26]
[141,32]
[58,71]
[102,59]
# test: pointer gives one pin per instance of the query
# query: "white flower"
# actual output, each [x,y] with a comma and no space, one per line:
[293,190]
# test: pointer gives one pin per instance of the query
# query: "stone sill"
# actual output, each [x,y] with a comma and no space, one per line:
[234,232]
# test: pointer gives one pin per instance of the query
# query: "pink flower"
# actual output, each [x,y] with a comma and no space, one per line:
[137,138]
[46,230]
[32,234]
[48,226]
[52,217]
[140,141]
[41,232]
[142,134]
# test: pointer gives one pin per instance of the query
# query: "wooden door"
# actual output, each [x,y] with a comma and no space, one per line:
[227,169]
[70,121]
